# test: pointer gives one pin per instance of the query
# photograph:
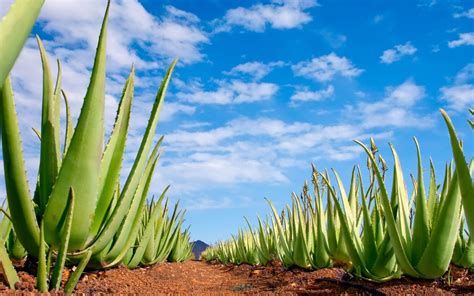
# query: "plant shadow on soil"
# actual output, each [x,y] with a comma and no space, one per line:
[197,278]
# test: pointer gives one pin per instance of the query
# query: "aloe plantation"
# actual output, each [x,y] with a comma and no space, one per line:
[82,209]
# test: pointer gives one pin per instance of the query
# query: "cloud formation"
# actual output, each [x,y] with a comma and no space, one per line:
[278,14]
[460,95]
[397,52]
[326,67]
[464,39]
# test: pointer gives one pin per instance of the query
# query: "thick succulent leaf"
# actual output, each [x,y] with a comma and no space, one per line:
[75,276]
[62,252]
[421,224]
[16,182]
[368,239]
[128,231]
[49,157]
[465,180]
[432,195]
[81,166]
[15,28]
[133,179]
[439,251]
[69,127]
[140,251]
[396,239]
[42,275]
[9,272]
[113,155]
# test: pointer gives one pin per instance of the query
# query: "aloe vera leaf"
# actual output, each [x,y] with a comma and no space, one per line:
[368,239]
[129,235]
[131,184]
[49,161]
[62,252]
[75,276]
[432,195]
[69,128]
[7,267]
[15,28]
[113,155]
[139,252]
[41,278]
[421,230]
[354,252]
[122,237]
[439,251]
[56,118]
[16,182]
[400,203]
[396,239]
[82,159]
[462,170]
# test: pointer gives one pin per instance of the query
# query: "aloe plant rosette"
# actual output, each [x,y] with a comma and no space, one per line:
[79,179]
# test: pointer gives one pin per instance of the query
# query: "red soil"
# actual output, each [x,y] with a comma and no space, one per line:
[200,278]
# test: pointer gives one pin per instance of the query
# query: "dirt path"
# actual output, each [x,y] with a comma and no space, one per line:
[177,278]
[200,278]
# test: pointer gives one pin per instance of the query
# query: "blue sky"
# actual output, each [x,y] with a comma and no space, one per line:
[264,88]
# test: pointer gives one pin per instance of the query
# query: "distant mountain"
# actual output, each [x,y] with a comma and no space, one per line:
[198,248]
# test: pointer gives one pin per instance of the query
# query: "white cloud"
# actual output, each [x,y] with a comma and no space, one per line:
[326,67]
[230,92]
[209,203]
[460,95]
[466,74]
[396,109]
[279,14]
[464,39]
[306,95]
[397,52]
[265,147]
[468,13]
[257,70]
[176,34]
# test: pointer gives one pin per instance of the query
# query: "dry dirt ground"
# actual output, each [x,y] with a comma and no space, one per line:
[200,278]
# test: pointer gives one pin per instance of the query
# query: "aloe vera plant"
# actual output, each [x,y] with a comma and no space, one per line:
[157,236]
[374,235]
[182,249]
[79,212]
[14,30]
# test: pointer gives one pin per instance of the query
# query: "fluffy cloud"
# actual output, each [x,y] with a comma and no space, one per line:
[464,39]
[396,109]
[279,14]
[176,34]
[305,95]
[265,147]
[326,67]
[397,52]
[468,13]
[229,92]
[256,70]
[460,95]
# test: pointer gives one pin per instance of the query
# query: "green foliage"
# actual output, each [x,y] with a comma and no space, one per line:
[373,234]
[14,30]
[79,213]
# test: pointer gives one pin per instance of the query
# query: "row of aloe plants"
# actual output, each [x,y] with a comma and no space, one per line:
[80,214]
[375,234]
